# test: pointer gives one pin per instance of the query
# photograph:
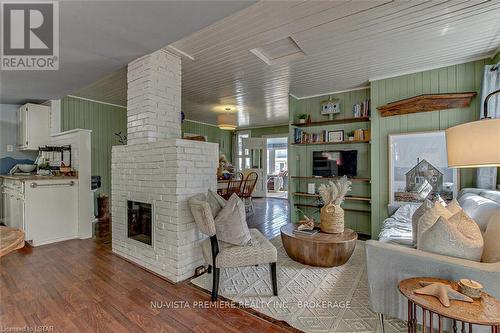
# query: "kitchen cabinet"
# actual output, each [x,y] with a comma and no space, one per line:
[45,209]
[33,126]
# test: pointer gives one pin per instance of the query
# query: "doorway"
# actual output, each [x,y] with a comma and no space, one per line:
[276,165]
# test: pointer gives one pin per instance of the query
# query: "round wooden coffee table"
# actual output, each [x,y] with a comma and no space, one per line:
[11,239]
[484,311]
[321,249]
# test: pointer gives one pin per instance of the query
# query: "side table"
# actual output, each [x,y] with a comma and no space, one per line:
[484,311]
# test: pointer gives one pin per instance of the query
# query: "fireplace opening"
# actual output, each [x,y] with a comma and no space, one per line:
[140,221]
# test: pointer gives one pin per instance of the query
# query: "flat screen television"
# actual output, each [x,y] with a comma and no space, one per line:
[335,163]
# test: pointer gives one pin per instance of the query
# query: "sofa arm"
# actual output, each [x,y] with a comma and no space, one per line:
[388,264]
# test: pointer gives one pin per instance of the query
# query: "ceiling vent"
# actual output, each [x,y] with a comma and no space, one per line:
[278,52]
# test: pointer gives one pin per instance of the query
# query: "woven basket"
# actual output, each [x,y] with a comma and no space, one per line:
[332,219]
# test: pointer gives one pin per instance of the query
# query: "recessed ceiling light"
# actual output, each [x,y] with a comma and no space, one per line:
[280,51]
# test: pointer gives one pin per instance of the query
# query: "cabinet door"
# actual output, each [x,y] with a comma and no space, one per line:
[22,126]
[51,211]
[38,123]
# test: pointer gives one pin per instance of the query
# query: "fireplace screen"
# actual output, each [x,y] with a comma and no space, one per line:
[140,221]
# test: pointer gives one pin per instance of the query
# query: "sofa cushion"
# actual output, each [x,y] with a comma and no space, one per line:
[429,217]
[491,250]
[216,202]
[398,228]
[456,236]
[479,208]
[231,225]
[426,205]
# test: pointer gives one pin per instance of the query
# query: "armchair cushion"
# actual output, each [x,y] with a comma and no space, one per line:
[428,218]
[491,250]
[231,225]
[216,202]
[202,214]
[260,251]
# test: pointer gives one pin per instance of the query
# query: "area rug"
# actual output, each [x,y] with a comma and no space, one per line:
[311,299]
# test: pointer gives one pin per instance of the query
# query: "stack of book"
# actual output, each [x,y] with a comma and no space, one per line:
[306,232]
[361,135]
[301,136]
[361,109]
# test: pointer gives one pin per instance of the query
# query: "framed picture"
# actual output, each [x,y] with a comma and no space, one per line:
[336,136]
[418,168]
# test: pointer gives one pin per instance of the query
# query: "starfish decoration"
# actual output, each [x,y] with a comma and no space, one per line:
[443,292]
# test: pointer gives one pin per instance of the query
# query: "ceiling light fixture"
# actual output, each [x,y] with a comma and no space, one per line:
[227,121]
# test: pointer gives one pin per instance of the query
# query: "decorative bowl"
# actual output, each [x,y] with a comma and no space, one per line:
[27,167]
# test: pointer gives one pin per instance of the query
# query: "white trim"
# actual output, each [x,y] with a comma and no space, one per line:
[180,52]
[429,68]
[200,122]
[330,93]
[93,100]
[76,130]
[261,126]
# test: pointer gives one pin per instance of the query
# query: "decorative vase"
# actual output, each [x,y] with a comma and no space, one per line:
[332,219]
[302,121]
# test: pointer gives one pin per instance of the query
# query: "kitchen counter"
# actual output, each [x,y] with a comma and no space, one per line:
[37,177]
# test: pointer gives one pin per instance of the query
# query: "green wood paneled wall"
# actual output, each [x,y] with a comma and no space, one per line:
[300,157]
[104,120]
[458,78]
[272,130]
[213,133]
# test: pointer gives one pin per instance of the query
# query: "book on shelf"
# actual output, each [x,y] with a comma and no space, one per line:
[301,136]
[361,109]
[306,232]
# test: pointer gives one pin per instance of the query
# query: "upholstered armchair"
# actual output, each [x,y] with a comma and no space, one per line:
[219,254]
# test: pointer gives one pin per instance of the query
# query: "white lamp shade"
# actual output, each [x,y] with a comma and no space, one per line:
[227,122]
[474,144]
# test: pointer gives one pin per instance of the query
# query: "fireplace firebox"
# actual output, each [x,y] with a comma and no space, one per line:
[140,221]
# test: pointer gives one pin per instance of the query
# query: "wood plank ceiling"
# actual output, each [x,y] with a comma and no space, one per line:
[346,44]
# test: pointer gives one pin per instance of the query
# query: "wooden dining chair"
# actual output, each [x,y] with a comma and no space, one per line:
[246,190]
[233,185]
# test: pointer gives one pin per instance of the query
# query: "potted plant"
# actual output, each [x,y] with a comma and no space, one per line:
[350,136]
[332,215]
[302,118]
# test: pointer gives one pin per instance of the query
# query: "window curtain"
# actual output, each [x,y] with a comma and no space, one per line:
[487,177]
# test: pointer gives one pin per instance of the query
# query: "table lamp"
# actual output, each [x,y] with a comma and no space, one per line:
[475,144]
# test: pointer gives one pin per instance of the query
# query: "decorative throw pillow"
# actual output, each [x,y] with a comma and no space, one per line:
[429,217]
[231,225]
[491,251]
[426,205]
[216,202]
[457,236]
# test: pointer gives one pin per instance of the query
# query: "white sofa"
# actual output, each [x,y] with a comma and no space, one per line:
[388,262]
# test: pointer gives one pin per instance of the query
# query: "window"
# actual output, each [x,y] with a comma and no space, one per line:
[242,155]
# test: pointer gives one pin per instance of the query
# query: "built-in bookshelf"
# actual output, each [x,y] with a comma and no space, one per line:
[357,204]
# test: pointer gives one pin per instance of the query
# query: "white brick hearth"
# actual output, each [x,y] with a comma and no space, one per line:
[159,168]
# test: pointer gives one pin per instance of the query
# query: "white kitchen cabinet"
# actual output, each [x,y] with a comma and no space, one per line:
[51,210]
[33,126]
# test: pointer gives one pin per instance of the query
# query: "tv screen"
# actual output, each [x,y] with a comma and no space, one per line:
[335,163]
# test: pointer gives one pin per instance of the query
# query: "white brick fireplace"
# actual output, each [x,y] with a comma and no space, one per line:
[160,169]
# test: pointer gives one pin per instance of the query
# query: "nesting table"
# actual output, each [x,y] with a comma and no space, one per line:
[484,311]
[321,249]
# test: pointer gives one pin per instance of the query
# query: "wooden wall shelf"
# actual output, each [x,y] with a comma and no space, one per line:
[329,143]
[367,180]
[425,103]
[345,209]
[333,122]
[352,197]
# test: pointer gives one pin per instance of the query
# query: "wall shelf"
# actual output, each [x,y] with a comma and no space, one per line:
[425,103]
[345,209]
[347,197]
[329,143]
[367,180]
[332,122]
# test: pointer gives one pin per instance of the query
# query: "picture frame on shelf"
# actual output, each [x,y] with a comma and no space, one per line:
[336,136]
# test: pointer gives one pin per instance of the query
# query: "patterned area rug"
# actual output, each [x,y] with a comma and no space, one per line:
[311,299]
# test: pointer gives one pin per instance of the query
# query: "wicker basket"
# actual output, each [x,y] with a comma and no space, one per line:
[332,219]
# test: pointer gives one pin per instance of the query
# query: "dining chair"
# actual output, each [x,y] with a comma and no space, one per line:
[246,190]
[233,186]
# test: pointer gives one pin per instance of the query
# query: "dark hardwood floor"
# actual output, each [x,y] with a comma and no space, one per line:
[80,286]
